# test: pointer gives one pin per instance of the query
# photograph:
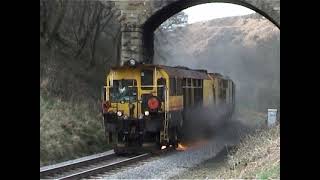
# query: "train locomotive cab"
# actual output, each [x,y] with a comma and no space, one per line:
[135,109]
[146,107]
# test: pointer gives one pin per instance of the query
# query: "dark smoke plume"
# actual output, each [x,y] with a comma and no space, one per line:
[247,49]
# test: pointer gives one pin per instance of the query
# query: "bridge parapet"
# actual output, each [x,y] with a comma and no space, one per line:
[137,40]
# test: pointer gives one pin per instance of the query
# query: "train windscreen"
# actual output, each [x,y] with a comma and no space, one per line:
[123,90]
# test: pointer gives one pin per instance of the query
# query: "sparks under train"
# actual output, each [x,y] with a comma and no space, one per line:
[144,106]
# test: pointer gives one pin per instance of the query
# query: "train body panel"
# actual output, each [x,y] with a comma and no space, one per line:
[208,92]
[145,105]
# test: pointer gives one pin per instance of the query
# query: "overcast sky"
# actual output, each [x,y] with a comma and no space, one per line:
[209,11]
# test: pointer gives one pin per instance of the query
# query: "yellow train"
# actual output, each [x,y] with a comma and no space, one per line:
[144,106]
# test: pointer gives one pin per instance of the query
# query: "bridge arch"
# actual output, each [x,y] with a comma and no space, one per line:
[163,11]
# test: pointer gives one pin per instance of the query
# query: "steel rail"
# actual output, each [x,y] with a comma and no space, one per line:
[104,168]
[56,169]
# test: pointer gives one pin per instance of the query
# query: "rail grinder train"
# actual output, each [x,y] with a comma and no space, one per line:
[144,106]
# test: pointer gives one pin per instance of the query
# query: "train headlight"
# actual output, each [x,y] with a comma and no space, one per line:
[119,113]
[146,113]
[125,117]
[132,62]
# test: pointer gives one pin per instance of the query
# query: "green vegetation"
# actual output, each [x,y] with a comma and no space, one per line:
[270,173]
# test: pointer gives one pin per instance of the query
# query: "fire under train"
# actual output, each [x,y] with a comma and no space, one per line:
[144,106]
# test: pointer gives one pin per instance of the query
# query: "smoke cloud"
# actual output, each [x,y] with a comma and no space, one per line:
[245,48]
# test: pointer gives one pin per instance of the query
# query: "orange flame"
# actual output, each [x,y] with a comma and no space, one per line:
[191,145]
[181,147]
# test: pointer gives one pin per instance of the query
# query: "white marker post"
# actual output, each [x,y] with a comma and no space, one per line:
[272,117]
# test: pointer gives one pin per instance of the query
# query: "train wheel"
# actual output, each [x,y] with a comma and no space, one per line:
[174,139]
[179,130]
[158,144]
[176,142]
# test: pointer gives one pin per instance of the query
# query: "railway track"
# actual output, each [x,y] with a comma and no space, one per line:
[91,166]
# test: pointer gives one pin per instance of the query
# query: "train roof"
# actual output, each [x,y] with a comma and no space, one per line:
[188,73]
[177,71]
[180,71]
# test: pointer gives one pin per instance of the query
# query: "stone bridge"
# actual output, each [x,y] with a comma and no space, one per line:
[140,18]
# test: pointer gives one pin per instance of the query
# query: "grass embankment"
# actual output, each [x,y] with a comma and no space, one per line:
[68,130]
[256,157]
[70,119]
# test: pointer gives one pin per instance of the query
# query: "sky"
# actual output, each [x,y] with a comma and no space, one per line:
[209,11]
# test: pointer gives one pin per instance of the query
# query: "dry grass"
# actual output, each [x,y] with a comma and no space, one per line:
[70,119]
[256,157]
[69,130]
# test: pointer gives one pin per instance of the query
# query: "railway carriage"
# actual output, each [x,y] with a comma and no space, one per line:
[144,106]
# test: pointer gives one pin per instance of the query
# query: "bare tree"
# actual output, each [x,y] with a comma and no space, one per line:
[177,20]
[74,26]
